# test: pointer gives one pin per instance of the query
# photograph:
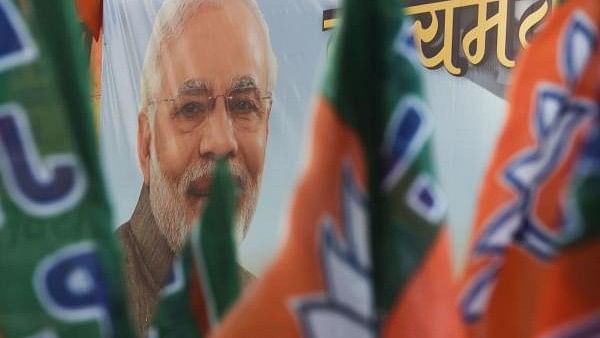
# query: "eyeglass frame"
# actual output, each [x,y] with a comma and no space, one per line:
[267,95]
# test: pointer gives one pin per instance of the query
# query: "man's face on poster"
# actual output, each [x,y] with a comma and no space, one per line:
[213,103]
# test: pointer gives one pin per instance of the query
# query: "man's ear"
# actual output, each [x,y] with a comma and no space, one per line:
[143,141]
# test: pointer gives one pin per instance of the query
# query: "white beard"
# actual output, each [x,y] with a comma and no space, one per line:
[168,203]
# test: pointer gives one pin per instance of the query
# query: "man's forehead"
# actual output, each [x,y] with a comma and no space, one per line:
[215,16]
[210,55]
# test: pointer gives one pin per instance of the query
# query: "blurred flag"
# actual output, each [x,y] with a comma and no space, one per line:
[570,298]
[90,17]
[60,273]
[523,213]
[366,253]
[205,279]
[90,14]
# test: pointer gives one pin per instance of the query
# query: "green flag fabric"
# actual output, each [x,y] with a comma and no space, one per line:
[60,273]
[375,86]
[585,193]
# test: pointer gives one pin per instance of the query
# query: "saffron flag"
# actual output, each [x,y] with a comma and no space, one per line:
[205,280]
[60,272]
[366,253]
[570,299]
[521,281]
[90,13]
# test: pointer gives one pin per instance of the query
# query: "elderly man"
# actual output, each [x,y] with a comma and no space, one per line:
[206,94]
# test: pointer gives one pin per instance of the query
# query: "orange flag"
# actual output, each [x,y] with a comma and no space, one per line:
[366,254]
[521,279]
[96,75]
[90,13]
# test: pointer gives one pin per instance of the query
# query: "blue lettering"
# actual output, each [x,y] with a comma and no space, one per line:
[71,287]
[40,187]
[406,134]
[426,199]
[16,44]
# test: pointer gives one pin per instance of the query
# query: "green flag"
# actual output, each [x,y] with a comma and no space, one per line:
[60,273]
[204,281]
[374,85]
[366,253]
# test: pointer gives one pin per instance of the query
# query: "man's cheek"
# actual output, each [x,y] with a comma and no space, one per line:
[253,153]
[174,152]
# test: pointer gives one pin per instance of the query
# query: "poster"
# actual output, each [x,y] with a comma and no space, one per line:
[298,43]
[468,110]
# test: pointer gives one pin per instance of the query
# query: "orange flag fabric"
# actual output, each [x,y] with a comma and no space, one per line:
[90,13]
[522,279]
[366,253]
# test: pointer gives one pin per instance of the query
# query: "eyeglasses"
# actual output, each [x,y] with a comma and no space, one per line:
[246,107]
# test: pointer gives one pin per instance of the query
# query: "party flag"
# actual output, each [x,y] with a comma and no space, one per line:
[522,218]
[366,253]
[60,271]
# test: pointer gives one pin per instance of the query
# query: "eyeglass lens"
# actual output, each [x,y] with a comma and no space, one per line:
[245,107]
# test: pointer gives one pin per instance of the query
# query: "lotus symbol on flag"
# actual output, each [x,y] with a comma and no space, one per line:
[345,308]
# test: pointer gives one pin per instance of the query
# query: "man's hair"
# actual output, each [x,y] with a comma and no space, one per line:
[170,20]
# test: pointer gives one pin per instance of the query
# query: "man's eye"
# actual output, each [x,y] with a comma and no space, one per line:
[192,109]
[243,105]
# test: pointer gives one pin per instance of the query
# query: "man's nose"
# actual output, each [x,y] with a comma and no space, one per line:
[218,139]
